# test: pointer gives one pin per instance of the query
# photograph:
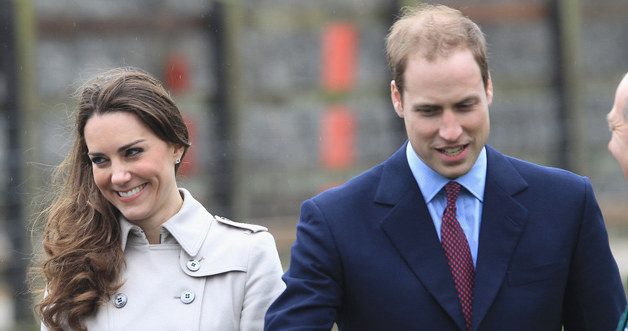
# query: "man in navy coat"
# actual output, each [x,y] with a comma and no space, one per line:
[372,254]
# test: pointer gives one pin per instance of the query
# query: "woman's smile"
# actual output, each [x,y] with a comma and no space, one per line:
[133,193]
[133,168]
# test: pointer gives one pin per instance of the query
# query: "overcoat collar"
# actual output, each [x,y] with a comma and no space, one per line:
[189,226]
[411,230]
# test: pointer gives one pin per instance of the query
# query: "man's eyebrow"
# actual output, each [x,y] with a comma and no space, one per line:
[424,105]
[469,98]
[432,105]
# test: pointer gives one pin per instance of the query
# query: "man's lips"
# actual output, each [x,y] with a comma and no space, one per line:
[452,151]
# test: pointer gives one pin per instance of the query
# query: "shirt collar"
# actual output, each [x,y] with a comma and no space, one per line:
[431,182]
[189,226]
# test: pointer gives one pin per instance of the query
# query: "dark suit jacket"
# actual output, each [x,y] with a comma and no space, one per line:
[367,256]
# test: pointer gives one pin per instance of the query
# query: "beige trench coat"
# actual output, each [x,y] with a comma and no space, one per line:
[208,273]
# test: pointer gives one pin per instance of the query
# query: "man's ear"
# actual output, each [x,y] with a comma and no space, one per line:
[489,90]
[395,97]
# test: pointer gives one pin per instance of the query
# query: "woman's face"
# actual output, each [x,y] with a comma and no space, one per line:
[133,168]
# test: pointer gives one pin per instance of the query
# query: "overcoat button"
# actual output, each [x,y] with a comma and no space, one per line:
[193,265]
[120,300]
[187,296]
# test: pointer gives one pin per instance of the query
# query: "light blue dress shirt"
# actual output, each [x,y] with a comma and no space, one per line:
[469,203]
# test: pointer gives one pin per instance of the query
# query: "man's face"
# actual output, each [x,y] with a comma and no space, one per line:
[445,110]
[618,145]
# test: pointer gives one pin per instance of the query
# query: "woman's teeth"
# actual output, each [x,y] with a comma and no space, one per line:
[131,192]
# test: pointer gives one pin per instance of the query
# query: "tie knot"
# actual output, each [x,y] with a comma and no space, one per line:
[452,189]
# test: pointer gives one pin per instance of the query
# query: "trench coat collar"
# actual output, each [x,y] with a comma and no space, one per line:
[189,226]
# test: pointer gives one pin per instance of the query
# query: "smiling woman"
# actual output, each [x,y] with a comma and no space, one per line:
[134,169]
[125,248]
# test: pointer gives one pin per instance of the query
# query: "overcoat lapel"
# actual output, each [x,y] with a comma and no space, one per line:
[411,230]
[503,221]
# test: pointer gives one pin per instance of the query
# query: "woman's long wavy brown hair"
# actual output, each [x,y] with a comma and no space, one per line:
[81,237]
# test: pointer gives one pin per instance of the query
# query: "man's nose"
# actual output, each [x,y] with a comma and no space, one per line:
[450,129]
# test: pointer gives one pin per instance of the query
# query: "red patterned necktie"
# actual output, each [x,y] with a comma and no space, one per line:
[457,252]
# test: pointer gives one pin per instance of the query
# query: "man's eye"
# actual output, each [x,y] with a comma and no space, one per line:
[427,111]
[466,106]
[469,103]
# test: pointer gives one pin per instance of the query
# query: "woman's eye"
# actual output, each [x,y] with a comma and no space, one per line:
[98,160]
[133,151]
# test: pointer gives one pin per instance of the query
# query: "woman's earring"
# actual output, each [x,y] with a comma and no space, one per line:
[177,161]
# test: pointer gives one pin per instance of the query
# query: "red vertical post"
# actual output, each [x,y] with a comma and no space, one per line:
[176,73]
[177,80]
[338,138]
[338,124]
[189,165]
[339,47]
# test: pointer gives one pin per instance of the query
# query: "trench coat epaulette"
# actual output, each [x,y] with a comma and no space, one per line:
[254,228]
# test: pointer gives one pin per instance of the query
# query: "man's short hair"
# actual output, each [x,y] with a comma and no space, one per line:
[433,30]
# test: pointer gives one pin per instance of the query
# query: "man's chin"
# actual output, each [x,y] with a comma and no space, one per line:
[453,172]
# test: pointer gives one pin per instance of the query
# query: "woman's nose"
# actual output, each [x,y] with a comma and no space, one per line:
[120,174]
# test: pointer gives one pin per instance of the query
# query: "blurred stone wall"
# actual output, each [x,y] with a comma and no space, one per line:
[279,84]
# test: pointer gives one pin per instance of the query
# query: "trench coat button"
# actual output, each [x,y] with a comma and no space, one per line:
[193,265]
[120,300]
[187,296]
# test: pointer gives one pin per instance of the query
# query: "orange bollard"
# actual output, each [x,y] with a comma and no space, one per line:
[337,138]
[189,165]
[339,57]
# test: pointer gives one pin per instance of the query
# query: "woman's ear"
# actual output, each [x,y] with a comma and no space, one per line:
[178,152]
